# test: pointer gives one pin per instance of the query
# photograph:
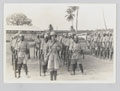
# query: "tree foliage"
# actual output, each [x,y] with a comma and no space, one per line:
[75,9]
[18,19]
[71,14]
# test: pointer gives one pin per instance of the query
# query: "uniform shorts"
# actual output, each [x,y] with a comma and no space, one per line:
[20,60]
[78,61]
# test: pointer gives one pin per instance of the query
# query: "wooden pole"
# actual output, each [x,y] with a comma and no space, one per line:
[104,19]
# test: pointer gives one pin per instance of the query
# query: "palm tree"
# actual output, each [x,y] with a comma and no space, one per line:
[75,9]
[70,15]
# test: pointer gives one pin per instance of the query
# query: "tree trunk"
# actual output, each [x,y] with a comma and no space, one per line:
[77,19]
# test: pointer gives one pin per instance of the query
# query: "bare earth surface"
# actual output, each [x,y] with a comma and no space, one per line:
[96,69]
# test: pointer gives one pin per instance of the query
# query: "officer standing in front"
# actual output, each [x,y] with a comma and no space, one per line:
[53,57]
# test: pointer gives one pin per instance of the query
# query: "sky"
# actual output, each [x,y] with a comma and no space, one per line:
[90,15]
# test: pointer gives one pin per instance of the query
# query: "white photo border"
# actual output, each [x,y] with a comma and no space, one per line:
[59,87]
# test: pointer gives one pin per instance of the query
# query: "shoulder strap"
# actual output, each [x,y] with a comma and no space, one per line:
[48,54]
[52,45]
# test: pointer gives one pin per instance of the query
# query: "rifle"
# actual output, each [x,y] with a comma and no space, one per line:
[15,57]
[40,59]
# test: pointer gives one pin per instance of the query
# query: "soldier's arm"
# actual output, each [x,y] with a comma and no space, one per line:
[16,35]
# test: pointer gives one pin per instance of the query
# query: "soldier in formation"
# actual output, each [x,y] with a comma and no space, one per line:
[37,46]
[101,44]
[77,55]
[22,53]
[44,40]
[53,51]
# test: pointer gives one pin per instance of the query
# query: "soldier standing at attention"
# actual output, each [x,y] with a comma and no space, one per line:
[44,53]
[67,49]
[77,55]
[14,42]
[63,47]
[37,46]
[95,44]
[111,46]
[98,45]
[70,50]
[101,47]
[52,56]
[104,45]
[22,47]
[107,45]
[64,52]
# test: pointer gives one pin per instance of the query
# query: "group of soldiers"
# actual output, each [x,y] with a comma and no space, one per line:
[51,55]
[58,50]
[66,43]
[101,44]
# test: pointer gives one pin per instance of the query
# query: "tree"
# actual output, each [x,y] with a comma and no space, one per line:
[18,19]
[70,15]
[75,9]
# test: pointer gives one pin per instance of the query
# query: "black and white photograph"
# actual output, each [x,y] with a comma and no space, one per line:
[59,43]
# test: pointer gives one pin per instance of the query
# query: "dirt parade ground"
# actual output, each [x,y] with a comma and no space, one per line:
[95,69]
